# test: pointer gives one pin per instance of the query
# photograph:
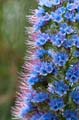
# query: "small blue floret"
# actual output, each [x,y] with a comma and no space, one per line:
[61,58]
[56,104]
[70,115]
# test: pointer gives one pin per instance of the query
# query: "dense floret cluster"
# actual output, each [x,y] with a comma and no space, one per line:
[50,87]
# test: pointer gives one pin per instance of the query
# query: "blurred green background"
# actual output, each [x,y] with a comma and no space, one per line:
[12,49]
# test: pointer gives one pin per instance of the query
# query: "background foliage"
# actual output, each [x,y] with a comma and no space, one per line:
[12,49]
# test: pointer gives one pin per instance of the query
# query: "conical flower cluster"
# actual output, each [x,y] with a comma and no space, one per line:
[50,83]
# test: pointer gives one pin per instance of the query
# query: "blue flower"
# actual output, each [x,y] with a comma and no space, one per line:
[47,3]
[60,88]
[56,17]
[57,40]
[56,2]
[75,95]
[70,1]
[42,39]
[25,110]
[51,53]
[28,97]
[36,117]
[76,40]
[77,17]
[40,53]
[68,43]
[47,17]
[36,70]
[65,29]
[40,12]
[43,69]
[72,74]
[78,7]
[39,97]
[39,25]
[71,6]
[76,53]
[33,80]
[70,115]
[76,2]
[61,10]
[56,104]
[55,71]
[47,68]
[48,116]
[60,58]
[70,16]
[44,116]
[42,22]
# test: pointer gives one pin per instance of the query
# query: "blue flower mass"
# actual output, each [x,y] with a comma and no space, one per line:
[56,104]
[50,87]
[61,88]
[70,115]
[36,116]
[45,116]
[60,59]
[72,74]
[48,116]
[39,97]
